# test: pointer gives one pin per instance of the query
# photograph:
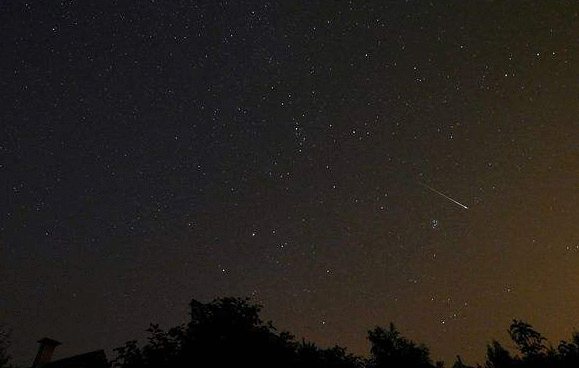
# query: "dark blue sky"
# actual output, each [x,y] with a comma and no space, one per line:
[157,152]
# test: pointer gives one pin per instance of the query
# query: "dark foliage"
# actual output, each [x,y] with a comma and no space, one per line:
[530,342]
[390,349]
[228,332]
[568,352]
[533,349]
[498,357]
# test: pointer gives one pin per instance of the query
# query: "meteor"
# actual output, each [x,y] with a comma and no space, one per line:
[445,196]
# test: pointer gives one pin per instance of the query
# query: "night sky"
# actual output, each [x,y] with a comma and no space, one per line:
[310,155]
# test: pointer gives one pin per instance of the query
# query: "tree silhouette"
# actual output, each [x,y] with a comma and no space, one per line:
[163,348]
[568,352]
[534,351]
[498,357]
[310,355]
[228,333]
[129,356]
[390,349]
[529,341]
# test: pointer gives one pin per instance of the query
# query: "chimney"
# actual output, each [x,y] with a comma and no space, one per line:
[45,352]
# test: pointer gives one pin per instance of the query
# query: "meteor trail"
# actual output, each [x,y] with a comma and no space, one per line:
[445,196]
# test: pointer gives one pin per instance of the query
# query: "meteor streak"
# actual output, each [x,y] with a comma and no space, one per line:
[445,196]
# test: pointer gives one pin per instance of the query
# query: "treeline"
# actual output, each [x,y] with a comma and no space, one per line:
[228,332]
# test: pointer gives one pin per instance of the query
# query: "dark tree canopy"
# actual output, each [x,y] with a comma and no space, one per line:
[229,332]
[390,349]
[498,356]
[568,352]
[533,348]
[530,342]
